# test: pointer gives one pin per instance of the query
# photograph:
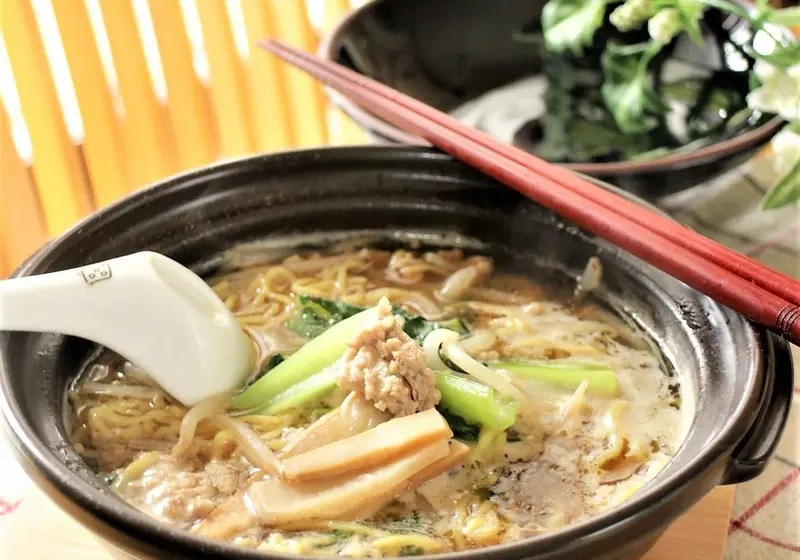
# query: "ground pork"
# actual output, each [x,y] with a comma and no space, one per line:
[386,366]
[184,492]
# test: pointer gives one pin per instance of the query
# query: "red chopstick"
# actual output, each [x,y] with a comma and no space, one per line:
[781,285]
[569,195]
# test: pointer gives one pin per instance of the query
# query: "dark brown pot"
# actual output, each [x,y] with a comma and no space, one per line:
[742,373]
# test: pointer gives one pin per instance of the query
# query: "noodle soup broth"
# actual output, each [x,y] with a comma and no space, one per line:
[403,402]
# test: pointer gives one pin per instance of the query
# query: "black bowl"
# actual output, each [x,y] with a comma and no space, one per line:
[742,374]
[447,52]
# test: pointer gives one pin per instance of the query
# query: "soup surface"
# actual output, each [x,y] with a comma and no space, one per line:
[403,403]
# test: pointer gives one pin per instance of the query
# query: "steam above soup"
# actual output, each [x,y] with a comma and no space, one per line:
[404,403]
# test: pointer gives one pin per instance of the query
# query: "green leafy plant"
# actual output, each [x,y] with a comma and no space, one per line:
[571,24]
[629,41]
[786,189]
[627,89]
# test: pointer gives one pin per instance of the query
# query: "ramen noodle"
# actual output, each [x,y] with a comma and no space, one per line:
[403,403]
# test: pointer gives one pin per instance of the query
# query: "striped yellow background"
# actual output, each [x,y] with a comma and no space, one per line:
[101,97]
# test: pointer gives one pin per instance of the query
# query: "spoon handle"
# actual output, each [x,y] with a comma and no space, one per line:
[66,302]
[146,307]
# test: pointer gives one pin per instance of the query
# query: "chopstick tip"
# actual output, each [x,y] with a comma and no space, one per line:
[269,43]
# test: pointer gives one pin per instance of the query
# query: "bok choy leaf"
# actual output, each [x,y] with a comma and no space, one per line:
[475,402]
[319,314]
[314,356]
[602,380]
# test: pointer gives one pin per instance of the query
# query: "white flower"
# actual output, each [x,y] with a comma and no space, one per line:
[780,90]
[664,25]
[786,145]
[631,14]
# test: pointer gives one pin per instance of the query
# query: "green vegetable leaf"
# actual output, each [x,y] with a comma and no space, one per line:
[475,402]
[688,90]
[690,13]
[785,191]
[411,550]
[319,314]
[560,113]
[418,328]
[462,429]
[593,138]
[337,309]
[307,323]
[627,90]
[570,25]
[313,357]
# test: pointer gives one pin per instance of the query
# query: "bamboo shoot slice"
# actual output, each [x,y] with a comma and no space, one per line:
[374,447]
[226,520]
[354,416]
[458,452]
[274,501]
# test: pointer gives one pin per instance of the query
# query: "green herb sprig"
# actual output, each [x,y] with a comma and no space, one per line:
[631,39]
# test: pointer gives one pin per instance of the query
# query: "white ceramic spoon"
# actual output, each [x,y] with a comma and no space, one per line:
[146,307]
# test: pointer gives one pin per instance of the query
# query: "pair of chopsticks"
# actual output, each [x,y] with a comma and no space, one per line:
[764,295]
